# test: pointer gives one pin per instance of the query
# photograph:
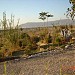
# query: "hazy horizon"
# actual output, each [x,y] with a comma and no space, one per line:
[28,10]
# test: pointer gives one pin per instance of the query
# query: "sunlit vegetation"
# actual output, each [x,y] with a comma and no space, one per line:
[19,42]
[30,41]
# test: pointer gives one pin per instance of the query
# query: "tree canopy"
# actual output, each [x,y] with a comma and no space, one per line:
[43,15]
[71,11]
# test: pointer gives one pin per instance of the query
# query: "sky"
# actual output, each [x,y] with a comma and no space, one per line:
[28,10]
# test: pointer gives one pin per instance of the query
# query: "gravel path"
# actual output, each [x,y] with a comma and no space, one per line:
[46,64]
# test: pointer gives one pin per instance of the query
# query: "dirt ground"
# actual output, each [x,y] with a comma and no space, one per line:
[45,64]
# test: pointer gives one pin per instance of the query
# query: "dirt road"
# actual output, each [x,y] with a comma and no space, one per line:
[46,64]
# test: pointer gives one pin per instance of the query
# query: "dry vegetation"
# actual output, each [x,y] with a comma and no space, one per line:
[25,42]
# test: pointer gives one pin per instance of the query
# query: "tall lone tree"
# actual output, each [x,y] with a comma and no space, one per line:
[43,16]
[48,15]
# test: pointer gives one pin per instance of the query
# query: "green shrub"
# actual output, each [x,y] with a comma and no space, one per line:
[35,39]
[48,38]
[31,48]
[24,35]
[58,40]
[13,38]
[34,46]
[20,43]
[24,40]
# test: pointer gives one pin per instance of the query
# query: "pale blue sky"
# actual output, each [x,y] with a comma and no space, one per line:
[28,10]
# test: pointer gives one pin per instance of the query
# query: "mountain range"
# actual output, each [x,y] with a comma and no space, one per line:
[49,23]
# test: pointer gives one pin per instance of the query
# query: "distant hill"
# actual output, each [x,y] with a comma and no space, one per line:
[50,23]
